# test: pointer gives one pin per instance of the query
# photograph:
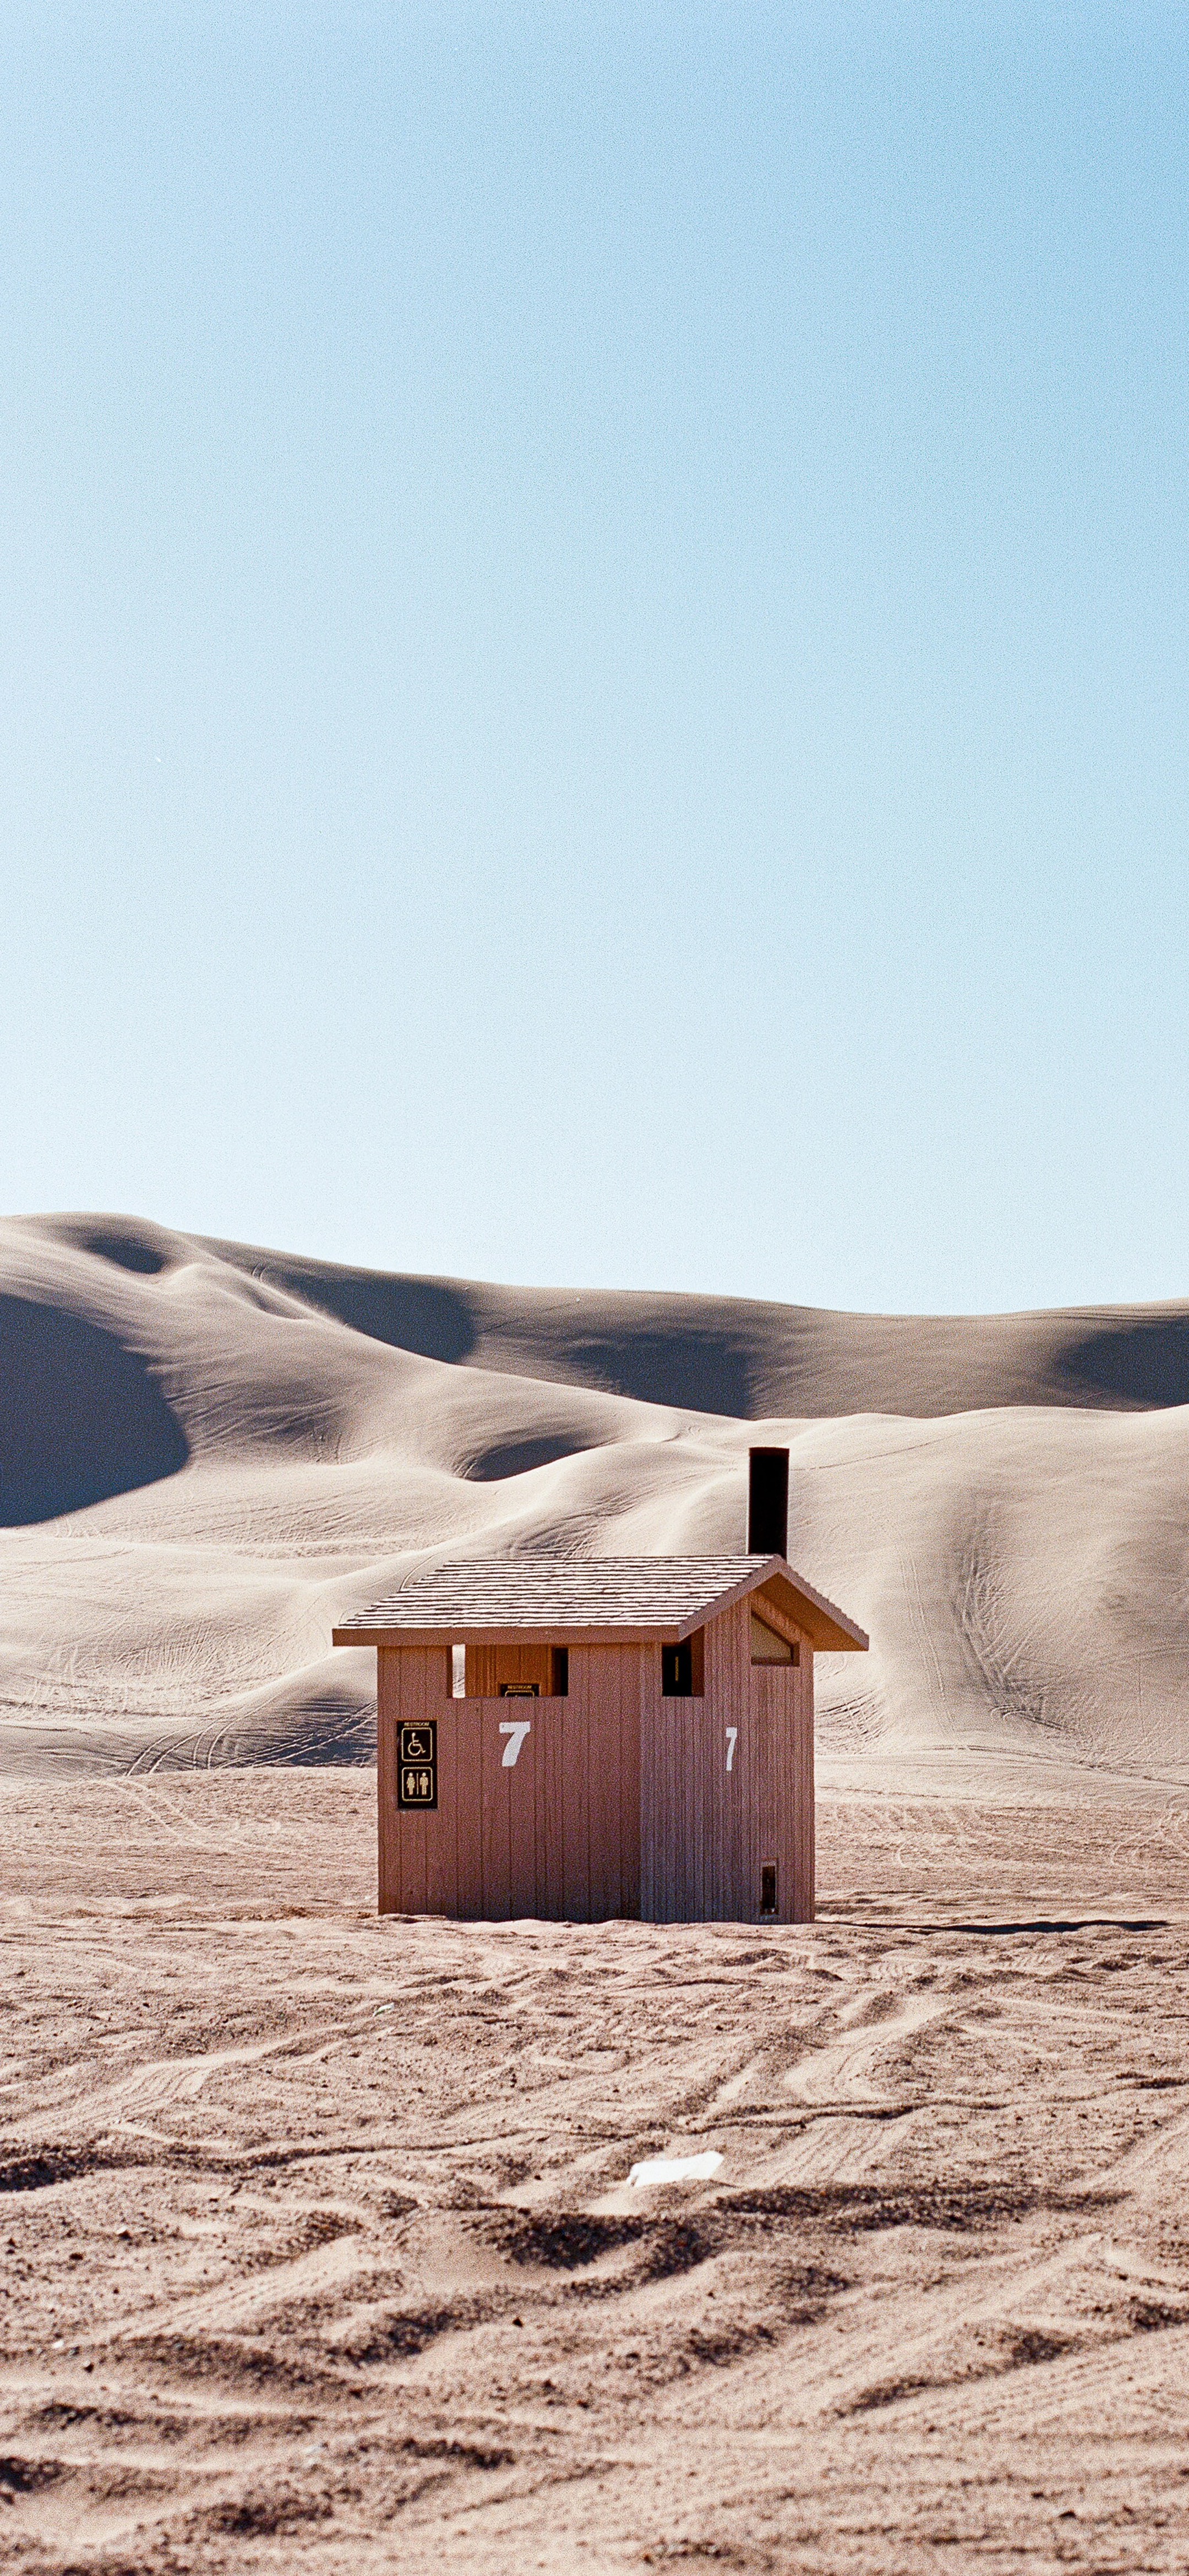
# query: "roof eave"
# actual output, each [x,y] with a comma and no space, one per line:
[459,1633]
[825,1626]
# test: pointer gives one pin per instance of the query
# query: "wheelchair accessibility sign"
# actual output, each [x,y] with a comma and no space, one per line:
[417,1766]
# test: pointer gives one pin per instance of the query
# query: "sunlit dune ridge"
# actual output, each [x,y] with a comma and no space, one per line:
[209,1453]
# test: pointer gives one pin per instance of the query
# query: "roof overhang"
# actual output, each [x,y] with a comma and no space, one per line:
[826,1627]
[773,1581]
[460,1633]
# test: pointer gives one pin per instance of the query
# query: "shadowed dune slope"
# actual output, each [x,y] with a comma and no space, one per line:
[752,1359]
[81,1417]
[208,1453]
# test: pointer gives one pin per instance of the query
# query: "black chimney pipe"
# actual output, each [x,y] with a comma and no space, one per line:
[767,1502]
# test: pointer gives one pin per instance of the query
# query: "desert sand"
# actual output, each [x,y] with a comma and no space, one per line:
[321,2253]
[320,2250]
[209,1453]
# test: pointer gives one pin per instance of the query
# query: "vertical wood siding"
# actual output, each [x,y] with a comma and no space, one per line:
[619,1802]
[556,1834]
[488,1666]
[706,1831]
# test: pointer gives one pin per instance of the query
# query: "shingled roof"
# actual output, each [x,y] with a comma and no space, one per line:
[602,1600]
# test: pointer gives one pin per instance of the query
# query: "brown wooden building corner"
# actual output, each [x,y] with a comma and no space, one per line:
[579,1739]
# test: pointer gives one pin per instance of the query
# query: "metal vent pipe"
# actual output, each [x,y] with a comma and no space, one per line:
[767,1502]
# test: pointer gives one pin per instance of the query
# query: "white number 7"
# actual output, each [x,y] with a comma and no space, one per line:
[732,1740]
[515,1728]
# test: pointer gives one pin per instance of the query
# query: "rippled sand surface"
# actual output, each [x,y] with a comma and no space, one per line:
[319,2252]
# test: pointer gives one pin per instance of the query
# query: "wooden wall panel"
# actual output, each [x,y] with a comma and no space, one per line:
[467,1795]
[659,1755]
[699,1812]
[497,1845]
[418,1852]
[706,1831]
[522,1798]
[663,1766]
[575,1788]
[619,1802]
[493,1848]
[551,1871]
[488,1666]
[730,1795]
[604,1710]
[772,1822]
[806,1788]
[634,1665]
[783,1703]
[410,1709]
[440,1827]
[389,1876]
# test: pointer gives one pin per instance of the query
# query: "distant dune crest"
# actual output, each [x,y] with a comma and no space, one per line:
[751,1359]
[210,1451]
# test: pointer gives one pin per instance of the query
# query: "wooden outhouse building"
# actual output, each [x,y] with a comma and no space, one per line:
[583,1738]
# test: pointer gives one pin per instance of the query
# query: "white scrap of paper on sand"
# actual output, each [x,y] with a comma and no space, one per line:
[676,2168]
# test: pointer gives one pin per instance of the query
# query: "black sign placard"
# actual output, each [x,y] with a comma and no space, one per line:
[417,1765]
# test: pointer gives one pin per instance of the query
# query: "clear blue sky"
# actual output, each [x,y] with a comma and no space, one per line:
[593,609]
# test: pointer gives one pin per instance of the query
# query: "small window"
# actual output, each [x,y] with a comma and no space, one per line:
[769,1648]
[505,1671]
[682,1667]
[768,1887]
[677,1681]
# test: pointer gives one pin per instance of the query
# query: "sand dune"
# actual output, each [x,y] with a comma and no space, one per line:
[749,1358]
[322,2250]
[209,1452]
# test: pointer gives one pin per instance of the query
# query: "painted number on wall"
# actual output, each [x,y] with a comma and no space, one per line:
[732,1740]
[515,1728]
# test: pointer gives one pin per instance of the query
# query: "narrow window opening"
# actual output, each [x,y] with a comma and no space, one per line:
[458,1672]
[559,1672]
[677,1680]
[682,1668]
[768,1887]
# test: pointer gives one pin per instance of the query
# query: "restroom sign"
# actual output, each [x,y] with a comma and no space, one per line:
[417,1765]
